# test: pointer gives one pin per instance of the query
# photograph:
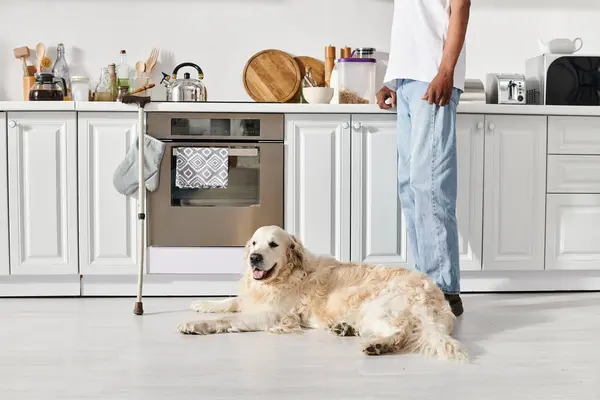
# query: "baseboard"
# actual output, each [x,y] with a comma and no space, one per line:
[160,285]
[529,281]
[227,285]
[40,286]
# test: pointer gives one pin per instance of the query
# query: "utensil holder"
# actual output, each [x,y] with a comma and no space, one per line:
[28,82]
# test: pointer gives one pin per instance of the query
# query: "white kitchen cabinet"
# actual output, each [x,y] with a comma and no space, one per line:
[42,175]
[573,232]
[4,241]
[378,231]
[514,193]
[107,219]
[317,184]
[573,174]
[573,135]
[469,204]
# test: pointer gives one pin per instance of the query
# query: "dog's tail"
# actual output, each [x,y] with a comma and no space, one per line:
[432,342]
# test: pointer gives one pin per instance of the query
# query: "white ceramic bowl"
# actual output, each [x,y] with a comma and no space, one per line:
[318,95]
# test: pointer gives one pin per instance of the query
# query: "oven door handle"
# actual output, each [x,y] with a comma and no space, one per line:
[235,152]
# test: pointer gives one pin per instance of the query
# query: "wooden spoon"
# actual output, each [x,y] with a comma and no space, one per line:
[140,67]
[40,52]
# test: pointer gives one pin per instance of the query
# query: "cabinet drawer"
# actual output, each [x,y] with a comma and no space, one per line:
[573,174]
[573,135]
[572,231]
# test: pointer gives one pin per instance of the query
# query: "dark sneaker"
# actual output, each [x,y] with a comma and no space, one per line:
[455,304]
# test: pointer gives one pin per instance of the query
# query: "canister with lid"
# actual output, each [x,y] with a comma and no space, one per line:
[80,88]
[356,80]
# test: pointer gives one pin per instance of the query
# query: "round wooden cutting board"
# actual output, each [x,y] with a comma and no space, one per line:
[272,76]
[317,68]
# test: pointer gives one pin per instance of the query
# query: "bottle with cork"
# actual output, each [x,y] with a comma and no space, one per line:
[112,73]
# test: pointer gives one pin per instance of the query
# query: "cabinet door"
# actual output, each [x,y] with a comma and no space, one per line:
[42,171]
[514,193]
[4,253]
[573,232]
[107,219]
[469,204]
[317,194]
[378,231]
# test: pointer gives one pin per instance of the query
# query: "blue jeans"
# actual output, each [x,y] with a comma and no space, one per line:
[427,182]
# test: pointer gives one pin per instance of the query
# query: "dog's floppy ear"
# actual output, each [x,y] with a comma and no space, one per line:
[247,249]
[295,252]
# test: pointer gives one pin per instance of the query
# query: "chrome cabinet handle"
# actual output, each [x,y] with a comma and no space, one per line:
[480,126]
[357,125]
[12,123]
[346,125]
[492,127]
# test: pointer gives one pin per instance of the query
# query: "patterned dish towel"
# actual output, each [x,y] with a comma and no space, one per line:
[202,167]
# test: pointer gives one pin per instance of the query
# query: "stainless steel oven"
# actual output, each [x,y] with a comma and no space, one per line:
[218,217]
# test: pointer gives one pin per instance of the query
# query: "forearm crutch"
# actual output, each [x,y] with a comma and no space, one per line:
[138,309]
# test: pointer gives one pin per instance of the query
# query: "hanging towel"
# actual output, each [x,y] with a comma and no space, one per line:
[202,167]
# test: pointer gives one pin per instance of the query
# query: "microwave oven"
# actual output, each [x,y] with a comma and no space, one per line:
[565,80]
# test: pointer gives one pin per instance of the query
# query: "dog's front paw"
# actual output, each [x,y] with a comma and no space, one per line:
[194,328]
[201,306]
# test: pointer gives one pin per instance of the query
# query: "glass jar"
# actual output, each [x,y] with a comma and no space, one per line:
[140,80]
[80,88]
[356,80]
[104,89]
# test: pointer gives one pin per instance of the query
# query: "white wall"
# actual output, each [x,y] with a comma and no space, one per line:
[220,35]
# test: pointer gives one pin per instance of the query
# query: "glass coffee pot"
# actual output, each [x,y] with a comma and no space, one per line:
[48,88]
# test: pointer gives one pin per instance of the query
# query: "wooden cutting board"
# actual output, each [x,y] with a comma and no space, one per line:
[317,68]
[271,76]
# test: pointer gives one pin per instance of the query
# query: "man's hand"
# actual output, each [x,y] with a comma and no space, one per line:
[383,95]
[440,89]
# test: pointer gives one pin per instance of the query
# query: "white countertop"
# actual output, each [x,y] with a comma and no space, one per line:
[464,108]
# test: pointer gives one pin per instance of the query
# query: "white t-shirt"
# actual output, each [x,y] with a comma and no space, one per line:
[418,34]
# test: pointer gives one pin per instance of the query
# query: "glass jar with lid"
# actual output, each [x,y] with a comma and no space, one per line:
[80,88]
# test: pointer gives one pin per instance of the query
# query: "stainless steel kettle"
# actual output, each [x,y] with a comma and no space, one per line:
[185,89]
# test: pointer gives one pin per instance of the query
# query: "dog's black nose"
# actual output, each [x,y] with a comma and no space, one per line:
[255,258]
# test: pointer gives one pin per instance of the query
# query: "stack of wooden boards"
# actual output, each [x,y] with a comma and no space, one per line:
[274,76]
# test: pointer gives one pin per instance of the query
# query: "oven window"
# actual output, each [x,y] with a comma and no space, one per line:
[198,127]
[242,178]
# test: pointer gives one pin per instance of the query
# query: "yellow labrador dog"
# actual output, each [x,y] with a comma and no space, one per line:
[287,289]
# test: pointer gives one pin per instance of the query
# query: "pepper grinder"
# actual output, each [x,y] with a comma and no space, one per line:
[329,63]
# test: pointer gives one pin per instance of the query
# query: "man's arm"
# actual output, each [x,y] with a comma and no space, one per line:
[440,89]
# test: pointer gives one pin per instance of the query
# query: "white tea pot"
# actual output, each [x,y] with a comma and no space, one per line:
[561,46]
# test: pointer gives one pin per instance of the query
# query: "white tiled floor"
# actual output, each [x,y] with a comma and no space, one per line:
[522,347]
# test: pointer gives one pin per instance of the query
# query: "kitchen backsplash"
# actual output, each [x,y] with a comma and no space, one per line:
[220,35]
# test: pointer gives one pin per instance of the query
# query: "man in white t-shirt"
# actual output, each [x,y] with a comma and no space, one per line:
[424,80]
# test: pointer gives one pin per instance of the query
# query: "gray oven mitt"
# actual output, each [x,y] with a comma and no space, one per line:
[125,178]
